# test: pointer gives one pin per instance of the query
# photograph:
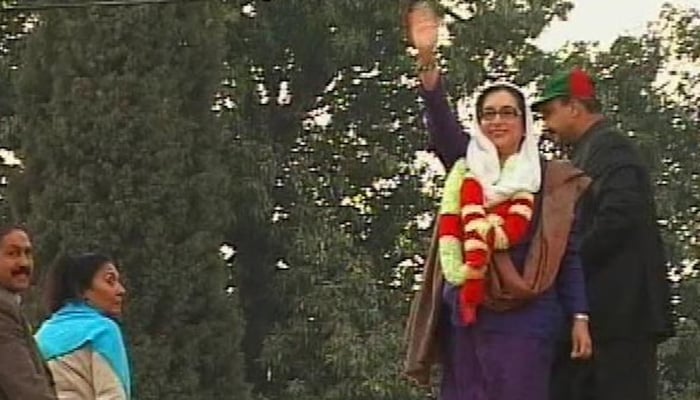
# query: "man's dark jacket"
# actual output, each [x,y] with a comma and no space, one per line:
[623,255]
[23,374]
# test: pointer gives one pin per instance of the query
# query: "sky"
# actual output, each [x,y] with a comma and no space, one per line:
[604,20]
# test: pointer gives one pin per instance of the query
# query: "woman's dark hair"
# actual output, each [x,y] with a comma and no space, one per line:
[70,277]
[519,100]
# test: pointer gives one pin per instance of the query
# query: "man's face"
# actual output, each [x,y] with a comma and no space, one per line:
[559,119]
[16,261]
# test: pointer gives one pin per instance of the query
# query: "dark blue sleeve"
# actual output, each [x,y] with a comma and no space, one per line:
[571,287]
[446,139]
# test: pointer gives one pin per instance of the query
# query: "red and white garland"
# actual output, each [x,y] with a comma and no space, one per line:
[469,233]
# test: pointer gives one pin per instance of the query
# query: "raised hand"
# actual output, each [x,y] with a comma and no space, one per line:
[422,23]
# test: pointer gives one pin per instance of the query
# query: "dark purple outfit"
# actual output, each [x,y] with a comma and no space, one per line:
[505,355]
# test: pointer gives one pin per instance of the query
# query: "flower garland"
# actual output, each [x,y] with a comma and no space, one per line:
[469,233]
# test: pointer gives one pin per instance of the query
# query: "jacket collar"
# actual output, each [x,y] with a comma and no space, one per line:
[580,148]
[9,297]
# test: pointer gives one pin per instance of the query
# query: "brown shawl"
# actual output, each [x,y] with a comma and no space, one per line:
[563,184]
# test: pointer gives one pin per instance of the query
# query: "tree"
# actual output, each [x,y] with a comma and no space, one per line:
[122,153]
[13,29]
[679,184]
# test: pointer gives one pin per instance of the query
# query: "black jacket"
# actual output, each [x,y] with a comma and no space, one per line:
[623,255]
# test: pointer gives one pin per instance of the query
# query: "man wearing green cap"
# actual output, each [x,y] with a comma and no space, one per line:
[622,252]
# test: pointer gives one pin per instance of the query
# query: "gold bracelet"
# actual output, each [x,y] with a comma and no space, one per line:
[429,66]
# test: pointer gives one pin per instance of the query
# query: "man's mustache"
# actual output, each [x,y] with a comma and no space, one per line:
[22,270]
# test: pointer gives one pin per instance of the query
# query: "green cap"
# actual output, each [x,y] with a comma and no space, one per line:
[573,83]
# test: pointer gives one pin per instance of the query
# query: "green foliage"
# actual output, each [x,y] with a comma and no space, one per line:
[12,32]
[122,153]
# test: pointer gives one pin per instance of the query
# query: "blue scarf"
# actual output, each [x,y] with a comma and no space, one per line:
[76,325]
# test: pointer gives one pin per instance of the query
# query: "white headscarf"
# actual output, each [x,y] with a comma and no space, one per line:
[520,172]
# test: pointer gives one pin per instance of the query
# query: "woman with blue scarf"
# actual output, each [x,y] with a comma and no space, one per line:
[82,341]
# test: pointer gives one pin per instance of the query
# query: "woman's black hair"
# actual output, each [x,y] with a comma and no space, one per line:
[70,277]
[519,100]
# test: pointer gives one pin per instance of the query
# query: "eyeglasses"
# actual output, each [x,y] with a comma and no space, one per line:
[506,113]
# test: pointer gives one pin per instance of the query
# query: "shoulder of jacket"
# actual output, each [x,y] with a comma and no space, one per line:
[9,309]
[612,149]
[79,356]
[612,138]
